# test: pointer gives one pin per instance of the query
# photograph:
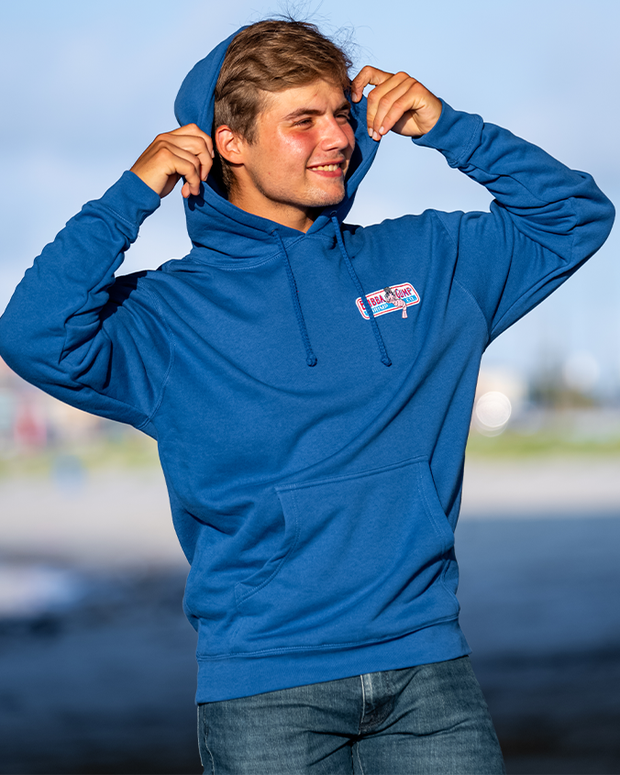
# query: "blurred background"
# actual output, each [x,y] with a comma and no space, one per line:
[96,660]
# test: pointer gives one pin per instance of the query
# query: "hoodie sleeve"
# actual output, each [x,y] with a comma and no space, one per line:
[544,223]
[56,330]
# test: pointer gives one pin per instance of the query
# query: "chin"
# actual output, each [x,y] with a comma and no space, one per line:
[328,200]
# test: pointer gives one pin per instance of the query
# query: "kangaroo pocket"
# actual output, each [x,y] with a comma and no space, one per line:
[363,559]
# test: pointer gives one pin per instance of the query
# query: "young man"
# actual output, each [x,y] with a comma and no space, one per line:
[310,386]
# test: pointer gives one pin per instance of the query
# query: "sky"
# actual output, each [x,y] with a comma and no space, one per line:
[85,87]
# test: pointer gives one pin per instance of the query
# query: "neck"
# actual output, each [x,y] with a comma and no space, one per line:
[292,216]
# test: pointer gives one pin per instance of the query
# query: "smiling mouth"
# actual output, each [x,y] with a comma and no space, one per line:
[327,167]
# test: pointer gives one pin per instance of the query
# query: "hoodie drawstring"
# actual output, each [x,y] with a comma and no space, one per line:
[310,356]
[385,358]
[303,330]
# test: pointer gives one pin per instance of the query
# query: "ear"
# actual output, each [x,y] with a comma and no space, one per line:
[229,145]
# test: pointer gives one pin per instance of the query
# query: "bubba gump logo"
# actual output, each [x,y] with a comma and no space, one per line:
[390,299]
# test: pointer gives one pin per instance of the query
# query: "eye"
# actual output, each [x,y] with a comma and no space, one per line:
[303,122]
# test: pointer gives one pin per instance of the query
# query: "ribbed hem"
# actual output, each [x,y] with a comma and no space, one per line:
[226,678]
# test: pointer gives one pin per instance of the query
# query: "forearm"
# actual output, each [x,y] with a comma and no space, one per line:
[522,177]
[49,328]
[546,219]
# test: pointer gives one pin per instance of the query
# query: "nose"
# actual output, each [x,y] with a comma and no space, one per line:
[337,135]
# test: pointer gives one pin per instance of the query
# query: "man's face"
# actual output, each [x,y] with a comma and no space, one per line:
[300,155]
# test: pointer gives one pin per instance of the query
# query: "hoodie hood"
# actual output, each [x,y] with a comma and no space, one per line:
[212,221]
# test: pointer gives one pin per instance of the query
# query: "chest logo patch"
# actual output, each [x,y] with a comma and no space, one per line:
[390,299]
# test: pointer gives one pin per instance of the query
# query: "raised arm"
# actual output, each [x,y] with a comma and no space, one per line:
[56,330]
[544,222]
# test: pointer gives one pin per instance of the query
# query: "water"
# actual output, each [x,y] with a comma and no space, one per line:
[30,590]
[540,585]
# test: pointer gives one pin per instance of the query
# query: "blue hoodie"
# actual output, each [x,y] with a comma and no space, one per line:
[310,393]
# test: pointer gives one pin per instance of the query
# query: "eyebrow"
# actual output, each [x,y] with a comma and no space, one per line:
[346,105]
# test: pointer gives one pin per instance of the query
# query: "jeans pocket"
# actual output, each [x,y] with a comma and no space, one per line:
[362,559]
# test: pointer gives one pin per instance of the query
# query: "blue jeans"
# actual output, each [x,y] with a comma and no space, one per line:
[431,720]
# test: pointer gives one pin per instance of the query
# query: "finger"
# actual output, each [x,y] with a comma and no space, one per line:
[190,129]
[380,100]
[187,169]
[393,104]
[186,151]
[193,139]
[189,166]
[167,164]
[367,76]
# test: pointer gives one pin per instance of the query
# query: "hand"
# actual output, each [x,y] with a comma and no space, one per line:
[185,152]
[398,102]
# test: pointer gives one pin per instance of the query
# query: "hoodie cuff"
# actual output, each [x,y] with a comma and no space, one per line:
[131,199]
[456,135]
